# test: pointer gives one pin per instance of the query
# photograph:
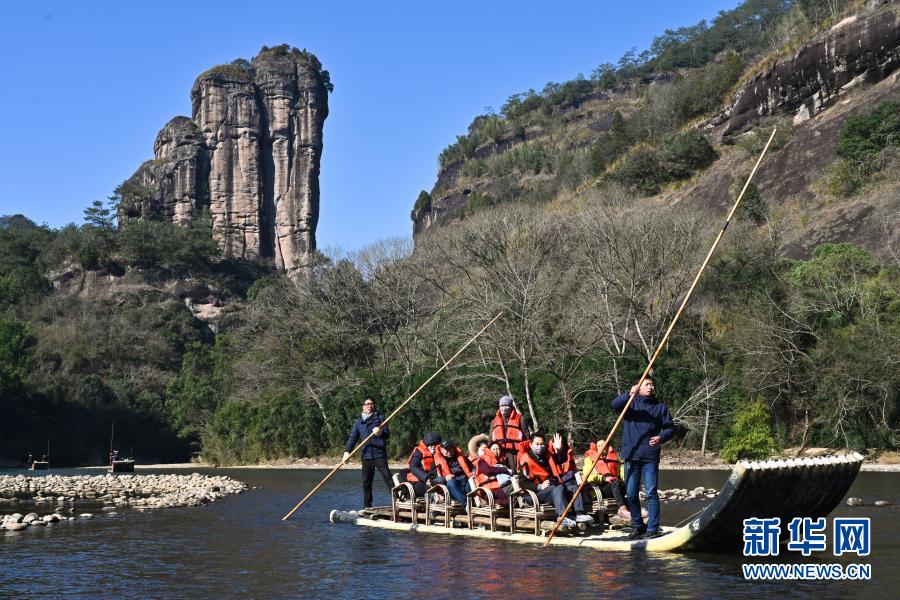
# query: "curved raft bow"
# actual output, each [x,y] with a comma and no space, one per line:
[808,487]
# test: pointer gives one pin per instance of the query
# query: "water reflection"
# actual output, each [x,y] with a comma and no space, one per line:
[240,547]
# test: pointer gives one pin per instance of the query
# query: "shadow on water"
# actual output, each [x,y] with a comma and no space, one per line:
[240,547]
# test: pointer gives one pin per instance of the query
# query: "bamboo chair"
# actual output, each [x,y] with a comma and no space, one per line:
[403,497]
[600,505]
[480,502]
[535,511]
[444,509]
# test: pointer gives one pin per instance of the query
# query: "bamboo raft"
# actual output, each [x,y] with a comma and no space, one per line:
[809,487]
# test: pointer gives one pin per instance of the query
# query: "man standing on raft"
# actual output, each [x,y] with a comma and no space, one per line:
[647,426]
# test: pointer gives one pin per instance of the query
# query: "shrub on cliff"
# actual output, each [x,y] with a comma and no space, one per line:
[677,158]
[866,144]
[751,435]
[167,246]
[610,145]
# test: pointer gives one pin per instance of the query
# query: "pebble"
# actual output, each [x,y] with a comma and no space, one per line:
[855,502]
[882,503]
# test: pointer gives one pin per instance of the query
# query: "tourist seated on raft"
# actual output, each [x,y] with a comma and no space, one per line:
[490,472]
[566,471]
[605,472]
[540,474]
[422,466]
[508,430]
[455,468]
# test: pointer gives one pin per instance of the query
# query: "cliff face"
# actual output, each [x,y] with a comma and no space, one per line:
[249,154]
[806,84]
[861,49]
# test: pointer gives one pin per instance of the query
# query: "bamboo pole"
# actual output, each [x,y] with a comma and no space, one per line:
[665,338]
[391,416]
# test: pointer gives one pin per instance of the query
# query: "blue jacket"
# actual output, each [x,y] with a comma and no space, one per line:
[376,448]
[645,418]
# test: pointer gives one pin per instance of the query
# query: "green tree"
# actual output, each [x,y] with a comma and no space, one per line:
[751,435]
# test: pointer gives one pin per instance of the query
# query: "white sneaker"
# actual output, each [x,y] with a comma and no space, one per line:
[568,523]
[584,519]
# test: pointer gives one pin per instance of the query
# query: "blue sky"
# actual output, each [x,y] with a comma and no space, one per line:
[88,86]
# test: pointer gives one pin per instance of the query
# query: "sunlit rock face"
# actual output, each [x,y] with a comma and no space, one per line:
[862,49]
[249,155]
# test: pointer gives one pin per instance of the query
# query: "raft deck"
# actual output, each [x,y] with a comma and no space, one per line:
[809,487]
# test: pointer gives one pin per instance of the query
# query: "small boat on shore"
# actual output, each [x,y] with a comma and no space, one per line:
[40,465]
[121,465]
[809,487]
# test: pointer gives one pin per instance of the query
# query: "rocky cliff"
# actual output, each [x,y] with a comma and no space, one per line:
[249,155]
[861,49]
[810,86]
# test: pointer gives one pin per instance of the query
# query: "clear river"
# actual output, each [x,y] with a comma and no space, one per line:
[239,547]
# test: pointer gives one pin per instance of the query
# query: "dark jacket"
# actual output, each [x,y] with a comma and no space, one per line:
[645,418]
[376,448]
[456,469]
[415,467]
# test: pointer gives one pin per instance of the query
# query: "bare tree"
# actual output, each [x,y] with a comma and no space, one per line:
[639,262]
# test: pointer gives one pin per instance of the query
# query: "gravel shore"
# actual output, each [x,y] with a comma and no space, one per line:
[56,498]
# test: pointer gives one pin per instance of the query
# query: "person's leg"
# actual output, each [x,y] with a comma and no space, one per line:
[545,496]
[633,491]
[420,487]
[651,478]
[382,465]
[368,473]
[615,487]
[559,498]
[456,489]
[572,487]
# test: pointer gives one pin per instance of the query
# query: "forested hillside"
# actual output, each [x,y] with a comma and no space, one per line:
[581,212]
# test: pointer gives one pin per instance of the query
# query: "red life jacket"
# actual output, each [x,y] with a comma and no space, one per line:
[535,470]
[565,467]
[608,465]
[427,461]
[444,467]
[508,434]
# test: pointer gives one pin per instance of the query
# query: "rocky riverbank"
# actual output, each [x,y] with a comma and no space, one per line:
[55,498]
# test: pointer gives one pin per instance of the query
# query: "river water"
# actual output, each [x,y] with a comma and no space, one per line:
[239,547]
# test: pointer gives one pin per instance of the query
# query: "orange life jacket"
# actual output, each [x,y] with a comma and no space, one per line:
[444,467]
[428,461]
[608,465]
[509,433]
[487,480]
[535,470]
[490,460]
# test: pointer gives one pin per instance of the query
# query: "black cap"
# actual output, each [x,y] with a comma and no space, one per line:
[447,444]
[432,438]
